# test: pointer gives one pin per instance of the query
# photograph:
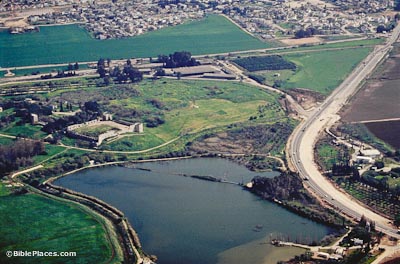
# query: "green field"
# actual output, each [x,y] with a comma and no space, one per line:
[320,71]
[346,44]
[134,142]
[41,70]
[193,106]
[64,44]
[323,71]
[5,141]
[186,106]
[33,222]
[327,156]
[338,37]
[25,130]
[51,150]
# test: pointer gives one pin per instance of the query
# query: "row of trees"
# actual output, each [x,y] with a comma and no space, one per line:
[19,154]
[306,33]
[383,28]
[121,76]
[272,62]
[178,59]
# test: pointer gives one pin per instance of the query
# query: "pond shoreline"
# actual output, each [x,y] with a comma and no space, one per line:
[132,243]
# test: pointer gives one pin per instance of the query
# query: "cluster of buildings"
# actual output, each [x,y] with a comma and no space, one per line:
[122,18]
[266,18]
[367,156]
[21,5]
[118,128]
[354,6]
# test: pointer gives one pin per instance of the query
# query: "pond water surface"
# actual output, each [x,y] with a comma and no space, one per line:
[186,220]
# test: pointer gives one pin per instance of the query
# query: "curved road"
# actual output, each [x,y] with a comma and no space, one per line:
[301,148]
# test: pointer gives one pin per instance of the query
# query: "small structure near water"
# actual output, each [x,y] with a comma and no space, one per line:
[20,30]
[9,74]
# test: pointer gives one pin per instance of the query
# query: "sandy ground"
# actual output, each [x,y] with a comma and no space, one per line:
[313,2]
[258,252]
[16,23]
[35,12]
[292,41]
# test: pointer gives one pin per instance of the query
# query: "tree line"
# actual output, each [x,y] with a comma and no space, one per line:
[19,154]
[306,33]
[128,72]
[178,59]
[261,63]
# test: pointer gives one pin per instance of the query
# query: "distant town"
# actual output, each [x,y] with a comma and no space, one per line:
[113,111]
[265,19]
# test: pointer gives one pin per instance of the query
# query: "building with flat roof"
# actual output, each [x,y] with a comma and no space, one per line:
[364,160]
[222,76]
[195,70]
[373,153]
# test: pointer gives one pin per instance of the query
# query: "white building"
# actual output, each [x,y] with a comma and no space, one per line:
[364,160]
[34,119]
[373,153]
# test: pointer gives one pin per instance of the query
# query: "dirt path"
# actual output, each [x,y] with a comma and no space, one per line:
[376,120]
[8,136]
[123,152]
[25,171]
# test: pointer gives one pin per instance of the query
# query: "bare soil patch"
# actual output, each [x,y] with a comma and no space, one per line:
[16,23]
[306,98]
[294,41]
[387,131]
[380,96]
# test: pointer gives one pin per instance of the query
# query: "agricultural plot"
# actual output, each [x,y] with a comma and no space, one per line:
[379,99]
[32,222]
[361,132]
[40,70]
[371,197]
[327,46]
[386,131]
[380,96]
[273,62]
[318,71]
[71,43]
[323,71]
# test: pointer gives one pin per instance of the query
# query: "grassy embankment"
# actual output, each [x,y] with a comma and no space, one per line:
[214,34]
[49,225]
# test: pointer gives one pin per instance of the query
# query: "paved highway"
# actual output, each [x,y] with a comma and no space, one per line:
[301,148]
